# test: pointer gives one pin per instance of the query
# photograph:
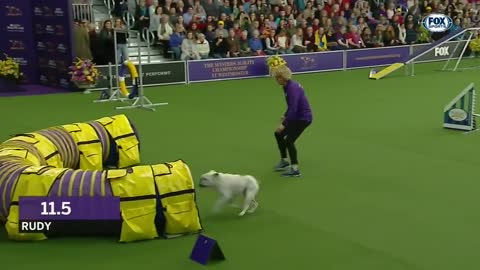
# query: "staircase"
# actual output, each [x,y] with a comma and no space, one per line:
[148,53]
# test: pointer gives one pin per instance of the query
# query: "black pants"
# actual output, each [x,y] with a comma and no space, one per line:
[165,47]
[286,139]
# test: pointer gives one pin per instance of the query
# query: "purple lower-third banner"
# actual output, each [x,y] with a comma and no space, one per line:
[314,62]
[377,56]
[227,68]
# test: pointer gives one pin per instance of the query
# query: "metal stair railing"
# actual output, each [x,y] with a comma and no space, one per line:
[110,4]
[83,11]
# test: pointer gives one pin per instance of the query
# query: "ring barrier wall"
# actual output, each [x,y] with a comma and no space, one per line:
[180,72]
[69,161]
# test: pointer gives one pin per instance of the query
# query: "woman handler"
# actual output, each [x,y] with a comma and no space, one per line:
[295,120]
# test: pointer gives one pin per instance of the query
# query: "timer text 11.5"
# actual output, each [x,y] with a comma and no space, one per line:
[50,209]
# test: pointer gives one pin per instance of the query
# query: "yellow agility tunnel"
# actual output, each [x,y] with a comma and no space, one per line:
[69,161]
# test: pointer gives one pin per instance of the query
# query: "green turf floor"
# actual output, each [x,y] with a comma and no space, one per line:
[384,186]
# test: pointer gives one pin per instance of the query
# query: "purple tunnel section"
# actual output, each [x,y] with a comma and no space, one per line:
[104,137]
[80,183]
[66,146]
[9,174]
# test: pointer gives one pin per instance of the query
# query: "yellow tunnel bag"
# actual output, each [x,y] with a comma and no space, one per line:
[34,181]
[89,145]
[120,129]
[31,163]
[136,189]
[177,193]
[46,148]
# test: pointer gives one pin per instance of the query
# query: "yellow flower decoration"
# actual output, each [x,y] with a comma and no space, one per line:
[9,68]
[275,61]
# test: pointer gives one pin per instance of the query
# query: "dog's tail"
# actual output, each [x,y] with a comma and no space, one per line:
[256,180]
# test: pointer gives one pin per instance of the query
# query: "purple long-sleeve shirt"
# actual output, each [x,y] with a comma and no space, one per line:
[297,102]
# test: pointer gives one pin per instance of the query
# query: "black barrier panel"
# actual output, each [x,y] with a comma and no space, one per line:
[153,74]
[444,51]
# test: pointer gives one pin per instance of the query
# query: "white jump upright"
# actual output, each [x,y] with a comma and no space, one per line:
[141,101]
[411,62]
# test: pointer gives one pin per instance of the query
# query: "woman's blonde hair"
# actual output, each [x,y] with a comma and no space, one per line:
[278,67]
[283,72]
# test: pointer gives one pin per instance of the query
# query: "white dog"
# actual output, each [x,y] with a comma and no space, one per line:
[230,186]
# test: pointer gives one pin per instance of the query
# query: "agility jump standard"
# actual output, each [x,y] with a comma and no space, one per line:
[411,60]
[460,113]
[137,95]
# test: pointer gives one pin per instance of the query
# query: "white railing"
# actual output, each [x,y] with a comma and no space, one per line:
[83,12]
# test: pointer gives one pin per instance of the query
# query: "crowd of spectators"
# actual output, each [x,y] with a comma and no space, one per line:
[198,29]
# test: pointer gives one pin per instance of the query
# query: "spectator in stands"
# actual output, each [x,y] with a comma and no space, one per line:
[224,7]
[309,40]
[176,40]
[228,21]
[107,43]
[142,16]
[457,26]
[354,39]
[402,34]
[315,25]
[210,34]
[283,43]
[220,46]
[263,7]
[155,21]
[361,24]
[194,29]
[411,20]
[81,41]
[390,37]
[202,47]
[167,6]
[271,44]
[152,6]
[188,16]
[297,45]
[120,6]
[95,49]
[321,39]
[244,44]
[181,20]
[211,9]
[233,44]
[309,12]
[342,43]
[199,11]
[424,36]
[122,47]
[164,31]
[367,37]
[378,38]
[410,34]
[255,26]
[331,39]
[236,28]
[189,47]
[179,8]
[255,43]
[221,30]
